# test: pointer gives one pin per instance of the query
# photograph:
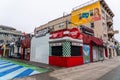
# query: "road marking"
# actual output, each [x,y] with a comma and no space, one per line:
[34,72]
[13,74]
[9,71]
[1,63]
[5,64]
[7,68]
[24,73]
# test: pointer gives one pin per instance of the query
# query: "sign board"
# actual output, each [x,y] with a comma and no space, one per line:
[77,44]
[55,44]
[86,30]
[42,32]
[73,33]
[85,15]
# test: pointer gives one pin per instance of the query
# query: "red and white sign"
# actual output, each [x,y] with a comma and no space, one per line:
[59,34]
[73,33]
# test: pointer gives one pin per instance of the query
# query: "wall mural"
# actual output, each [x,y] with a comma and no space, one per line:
[86,53]
[86,14]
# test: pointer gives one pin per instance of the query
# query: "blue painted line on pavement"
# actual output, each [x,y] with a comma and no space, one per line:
[9,71]
[4,63]
[25,73]
[6,66]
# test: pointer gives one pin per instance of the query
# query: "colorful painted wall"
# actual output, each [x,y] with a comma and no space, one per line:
[84,15]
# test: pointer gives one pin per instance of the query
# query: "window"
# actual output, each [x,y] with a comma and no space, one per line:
[80,16]
[57,50]
[75,51]
[91,12]
[103,23]
[61,25]
[103,17]
[103,12]
[51,28]
[105,35]
[92,25]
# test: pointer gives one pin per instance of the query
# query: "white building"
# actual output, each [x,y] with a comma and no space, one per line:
[9,34]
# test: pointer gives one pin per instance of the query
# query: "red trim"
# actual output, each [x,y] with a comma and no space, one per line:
[60,31]
[21,53]
[73,33]
[97,41]
[26,43]
[91,52]
[65,61]
[87,39]
[106,52]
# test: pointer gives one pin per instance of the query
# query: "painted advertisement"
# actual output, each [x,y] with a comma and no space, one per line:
[86,53]
[87,14]
[73,33]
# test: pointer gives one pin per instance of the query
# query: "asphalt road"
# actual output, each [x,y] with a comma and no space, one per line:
[112,75]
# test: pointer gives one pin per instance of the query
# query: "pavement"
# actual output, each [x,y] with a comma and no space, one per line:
[112,75]
[91,71]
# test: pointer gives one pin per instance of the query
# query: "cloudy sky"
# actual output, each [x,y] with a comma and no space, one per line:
[25,15]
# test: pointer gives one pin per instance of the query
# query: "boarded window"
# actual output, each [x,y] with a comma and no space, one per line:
[75,51]
[57,51]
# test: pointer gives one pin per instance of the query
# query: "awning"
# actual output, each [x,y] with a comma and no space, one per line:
[97,41]
[87,39]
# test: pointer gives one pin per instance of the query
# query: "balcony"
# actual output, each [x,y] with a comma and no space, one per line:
[110,31]
[110,44]
[110,21]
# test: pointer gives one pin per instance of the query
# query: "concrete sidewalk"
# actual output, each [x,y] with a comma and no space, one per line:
[91,71]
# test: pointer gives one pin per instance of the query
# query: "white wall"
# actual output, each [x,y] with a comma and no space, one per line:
[40,49]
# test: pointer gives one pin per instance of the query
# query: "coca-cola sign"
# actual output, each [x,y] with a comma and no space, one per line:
[73,33]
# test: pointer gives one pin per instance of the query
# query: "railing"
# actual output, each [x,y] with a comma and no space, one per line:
[110,20]
[110,31]
[110,43]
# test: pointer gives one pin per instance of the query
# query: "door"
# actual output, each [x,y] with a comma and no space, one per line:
[86,53]
[95,53]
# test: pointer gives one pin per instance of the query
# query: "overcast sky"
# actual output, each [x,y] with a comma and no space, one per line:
[25,15]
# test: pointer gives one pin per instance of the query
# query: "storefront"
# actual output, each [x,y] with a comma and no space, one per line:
[66,48]
[25,48]
[93,47]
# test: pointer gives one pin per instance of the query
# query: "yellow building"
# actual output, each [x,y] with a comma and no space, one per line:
[97,15]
